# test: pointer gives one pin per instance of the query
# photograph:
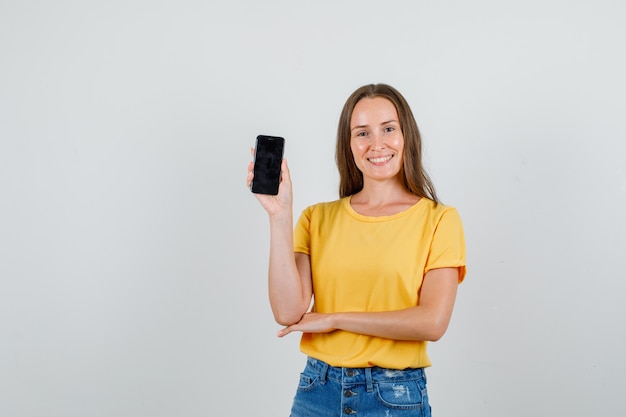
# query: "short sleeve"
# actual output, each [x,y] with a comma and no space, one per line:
[447,249]
[302,232]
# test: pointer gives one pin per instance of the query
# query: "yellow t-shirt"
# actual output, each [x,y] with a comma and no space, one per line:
[362,263]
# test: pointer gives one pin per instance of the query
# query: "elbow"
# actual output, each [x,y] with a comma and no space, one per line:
[435,336]
[288,314]
[436,330]
[286,319]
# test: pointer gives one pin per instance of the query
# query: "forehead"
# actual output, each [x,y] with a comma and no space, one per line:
[373,110]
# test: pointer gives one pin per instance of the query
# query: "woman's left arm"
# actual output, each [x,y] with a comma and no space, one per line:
[427,321]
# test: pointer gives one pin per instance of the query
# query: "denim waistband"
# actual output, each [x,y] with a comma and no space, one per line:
[368,376]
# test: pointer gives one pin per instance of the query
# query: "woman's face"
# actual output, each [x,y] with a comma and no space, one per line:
[376,138]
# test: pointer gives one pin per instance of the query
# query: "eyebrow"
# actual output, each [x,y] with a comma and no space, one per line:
[382,124]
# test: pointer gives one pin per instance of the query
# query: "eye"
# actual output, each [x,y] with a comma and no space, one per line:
[361,133]
[389,129]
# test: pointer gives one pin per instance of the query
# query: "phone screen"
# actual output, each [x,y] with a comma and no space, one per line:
[268,157]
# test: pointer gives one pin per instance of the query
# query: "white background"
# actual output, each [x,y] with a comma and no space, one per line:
[133,258]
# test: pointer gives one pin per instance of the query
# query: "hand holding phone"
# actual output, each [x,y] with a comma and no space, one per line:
[268,157]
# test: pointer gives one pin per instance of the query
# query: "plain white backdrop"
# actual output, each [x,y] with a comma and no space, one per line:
[133,258]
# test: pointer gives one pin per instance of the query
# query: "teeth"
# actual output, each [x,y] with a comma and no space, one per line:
[380,160]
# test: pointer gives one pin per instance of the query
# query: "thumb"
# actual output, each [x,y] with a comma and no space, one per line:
[283,332]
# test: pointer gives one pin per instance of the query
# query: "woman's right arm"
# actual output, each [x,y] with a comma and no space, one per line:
[289,276]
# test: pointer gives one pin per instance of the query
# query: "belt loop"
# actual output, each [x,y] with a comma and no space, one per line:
[368,380]
[323,372]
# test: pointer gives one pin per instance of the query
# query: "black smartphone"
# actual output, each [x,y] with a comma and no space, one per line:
[268,157]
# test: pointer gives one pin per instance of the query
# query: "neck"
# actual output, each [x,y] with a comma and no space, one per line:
[382,199]
[382,192]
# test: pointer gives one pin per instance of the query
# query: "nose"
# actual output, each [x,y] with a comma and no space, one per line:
[378,142]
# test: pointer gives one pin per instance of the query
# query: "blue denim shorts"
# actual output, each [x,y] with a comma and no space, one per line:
[328,391]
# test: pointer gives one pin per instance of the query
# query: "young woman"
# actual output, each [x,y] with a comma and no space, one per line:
[381,264]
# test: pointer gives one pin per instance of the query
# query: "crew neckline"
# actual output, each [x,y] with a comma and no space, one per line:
[359,216]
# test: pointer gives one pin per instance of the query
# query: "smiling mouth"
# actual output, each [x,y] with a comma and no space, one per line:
[380,160]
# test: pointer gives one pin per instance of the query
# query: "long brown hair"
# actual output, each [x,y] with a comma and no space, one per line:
[416,180]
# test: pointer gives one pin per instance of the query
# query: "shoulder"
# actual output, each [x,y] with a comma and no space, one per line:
[325,207]
[439,211]
[436,208]
[322,212]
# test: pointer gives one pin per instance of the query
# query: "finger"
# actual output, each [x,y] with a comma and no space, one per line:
[283,332]
[284,171]
[250,173]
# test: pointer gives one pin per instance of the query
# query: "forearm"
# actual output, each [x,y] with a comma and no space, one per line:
[288,297]
[416,323]
[427,321]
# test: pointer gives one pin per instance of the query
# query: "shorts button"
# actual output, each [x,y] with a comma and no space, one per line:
[348,410]
[349,393]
